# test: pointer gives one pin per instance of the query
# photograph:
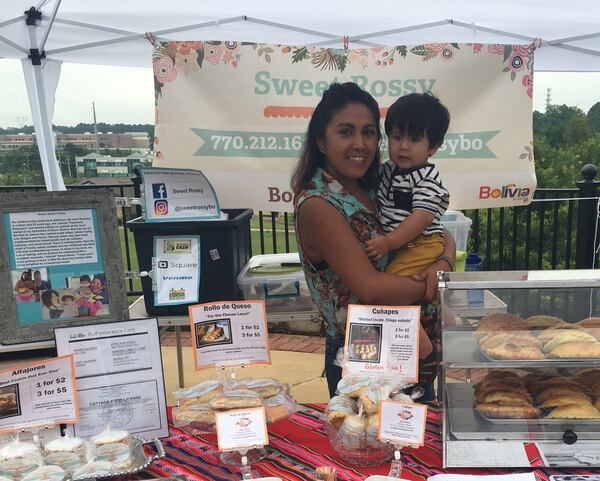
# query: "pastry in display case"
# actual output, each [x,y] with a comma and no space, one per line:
[520,372]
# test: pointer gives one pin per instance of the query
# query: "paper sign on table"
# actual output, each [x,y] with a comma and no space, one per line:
[177,269]
[241,429]
[402,423]
[383,338]
[38,394]
[177,194]
[230,333]
[119,377]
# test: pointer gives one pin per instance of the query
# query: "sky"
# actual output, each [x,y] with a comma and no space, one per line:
[126,94]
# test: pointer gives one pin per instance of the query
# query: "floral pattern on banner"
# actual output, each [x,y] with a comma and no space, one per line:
[518,60]
[171,59]
[182,58]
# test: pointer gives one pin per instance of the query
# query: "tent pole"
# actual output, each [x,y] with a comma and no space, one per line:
[13,45]
[138,36]
[47,32]
[39,109]
[330,36]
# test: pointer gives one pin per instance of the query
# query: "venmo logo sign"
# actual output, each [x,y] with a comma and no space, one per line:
[508,191]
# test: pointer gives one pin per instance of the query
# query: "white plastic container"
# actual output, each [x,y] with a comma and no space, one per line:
[459,225]
[279,280]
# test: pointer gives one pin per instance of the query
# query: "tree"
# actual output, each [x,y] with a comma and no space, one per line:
[552,124]
[593,118]
[576,130]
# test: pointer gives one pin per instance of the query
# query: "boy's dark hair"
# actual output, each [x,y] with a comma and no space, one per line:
[419,115]
[85,277]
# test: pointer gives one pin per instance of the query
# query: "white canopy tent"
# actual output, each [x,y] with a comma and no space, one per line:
[112,32]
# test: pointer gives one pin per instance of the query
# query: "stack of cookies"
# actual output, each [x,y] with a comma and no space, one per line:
[503,395]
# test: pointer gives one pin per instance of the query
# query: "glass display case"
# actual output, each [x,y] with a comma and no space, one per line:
[520,368]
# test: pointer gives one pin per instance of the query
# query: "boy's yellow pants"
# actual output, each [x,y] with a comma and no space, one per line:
[417,255]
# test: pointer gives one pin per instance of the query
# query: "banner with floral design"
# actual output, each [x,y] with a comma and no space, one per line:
[239,111]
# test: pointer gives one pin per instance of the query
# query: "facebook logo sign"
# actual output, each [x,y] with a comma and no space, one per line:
[159,191]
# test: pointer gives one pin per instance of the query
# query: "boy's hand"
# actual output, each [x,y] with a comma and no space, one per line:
[377,247]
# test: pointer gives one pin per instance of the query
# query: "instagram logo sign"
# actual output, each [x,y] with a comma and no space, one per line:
[159,193]
[161,207]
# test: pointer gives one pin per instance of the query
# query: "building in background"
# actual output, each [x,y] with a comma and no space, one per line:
[128,140]
[95,165]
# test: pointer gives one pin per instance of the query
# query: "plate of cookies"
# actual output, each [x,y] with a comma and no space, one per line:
[506,397]
[508,337]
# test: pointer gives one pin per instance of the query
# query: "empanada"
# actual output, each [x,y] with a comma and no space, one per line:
[576,350]
[549,334]
[565,399]
[497,338]
[507,411]
[559,391]
[568,336]
[542,322]
[513,351]
[575,411]
[505,397]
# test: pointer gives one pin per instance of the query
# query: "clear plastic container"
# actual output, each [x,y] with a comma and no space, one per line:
[278,279]
[459,225]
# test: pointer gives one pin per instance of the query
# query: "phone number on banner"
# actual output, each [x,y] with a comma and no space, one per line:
[254,144]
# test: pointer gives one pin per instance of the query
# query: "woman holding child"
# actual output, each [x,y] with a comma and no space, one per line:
[335,185]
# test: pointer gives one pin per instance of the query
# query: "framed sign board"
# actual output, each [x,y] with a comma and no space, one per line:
[60,263]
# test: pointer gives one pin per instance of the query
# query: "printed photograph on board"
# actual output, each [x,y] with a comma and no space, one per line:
[10,404]
[212,333]
[365,342]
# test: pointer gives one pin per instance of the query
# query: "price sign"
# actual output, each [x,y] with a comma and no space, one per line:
[241,429]
[402,423]
[38,394]
[230,333]
[383,339]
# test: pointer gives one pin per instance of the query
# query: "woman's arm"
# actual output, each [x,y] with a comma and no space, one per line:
[326,235]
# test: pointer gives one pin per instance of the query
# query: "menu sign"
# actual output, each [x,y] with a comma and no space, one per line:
[382,339]
[241,429]
[229,333]
[402,423]
[38,394]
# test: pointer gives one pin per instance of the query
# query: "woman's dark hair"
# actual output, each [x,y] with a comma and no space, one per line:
[26,274]
[46,297]
[334,99]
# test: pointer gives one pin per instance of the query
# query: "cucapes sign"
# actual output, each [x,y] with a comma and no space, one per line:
[249,149]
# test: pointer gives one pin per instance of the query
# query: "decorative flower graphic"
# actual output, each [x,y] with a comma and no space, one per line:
[528,82]
[432,50]
[187,63]
[528,154]
[164,69]
[212,52]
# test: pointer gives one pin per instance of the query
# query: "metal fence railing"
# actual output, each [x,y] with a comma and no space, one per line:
[558,230]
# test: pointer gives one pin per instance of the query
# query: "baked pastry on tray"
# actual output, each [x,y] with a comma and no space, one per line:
[515,350]
[541,322]
[507,411]
[574,411]
[565,399]
[576,350]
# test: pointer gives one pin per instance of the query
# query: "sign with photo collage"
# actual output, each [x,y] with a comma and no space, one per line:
[61,262]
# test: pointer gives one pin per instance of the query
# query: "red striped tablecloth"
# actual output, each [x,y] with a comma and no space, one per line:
[298,445]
